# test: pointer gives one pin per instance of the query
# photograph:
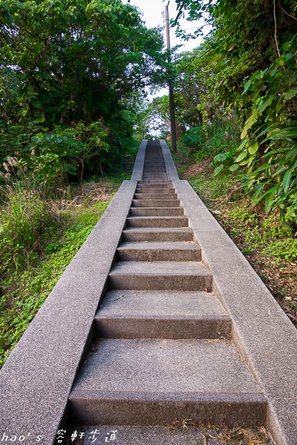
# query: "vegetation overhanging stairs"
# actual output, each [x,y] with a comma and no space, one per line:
[184,329]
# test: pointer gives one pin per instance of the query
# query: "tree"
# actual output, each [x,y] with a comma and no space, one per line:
[245,70]
[70,61]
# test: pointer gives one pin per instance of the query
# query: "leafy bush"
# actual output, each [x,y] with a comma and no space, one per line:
[68,151]
[218,142]
[268,152]
[194,137]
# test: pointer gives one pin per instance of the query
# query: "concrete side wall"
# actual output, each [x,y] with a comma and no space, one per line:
[36,380]
[263,333]
[170,165]
[139,162]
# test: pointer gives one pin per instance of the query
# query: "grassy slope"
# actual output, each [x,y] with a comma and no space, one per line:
[270,246]
[25,291]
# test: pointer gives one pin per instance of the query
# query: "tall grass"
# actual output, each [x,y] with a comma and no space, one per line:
[24,218]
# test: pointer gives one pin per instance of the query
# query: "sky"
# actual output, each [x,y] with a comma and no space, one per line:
[153,15]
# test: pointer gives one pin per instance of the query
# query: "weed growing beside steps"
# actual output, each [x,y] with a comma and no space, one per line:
[24,219]
[31,273]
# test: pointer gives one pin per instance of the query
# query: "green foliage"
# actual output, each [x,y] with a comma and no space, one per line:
[67,151]
[23,220]
[244,73]
[269,147]
[153,118]
[213,187]
[256,230]
[70,71]
[24,292]
[201,145]
[193,138]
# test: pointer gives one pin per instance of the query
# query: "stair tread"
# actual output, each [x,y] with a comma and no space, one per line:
[174,434]
[152,218]
[160,304]
[158,197]
[162,245]
[157,229]
[154,208]
[155,202]
[160,268]
[183,369]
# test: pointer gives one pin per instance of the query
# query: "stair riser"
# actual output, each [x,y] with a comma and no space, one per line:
[155,203]
[157,174]
[148,171]
[161,236]
[150,174]
[153,178]
[161,282]
[155,185]
[155,190]
[156,211]
[162,328]
[155,412]
[158,255]
[158,195]
[148,183]
[154,163]
[170,222]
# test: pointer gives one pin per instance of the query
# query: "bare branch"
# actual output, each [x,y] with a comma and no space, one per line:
[275,29]
[289,15]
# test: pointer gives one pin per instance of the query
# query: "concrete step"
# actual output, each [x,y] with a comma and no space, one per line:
[160,275]
[154,163]
[158,234]
[157,221]
[154,176]
[148,183]
[155,202]
[155,172]
[152,173]
[156,211]
[177,433]
[155,382]
[159,251]
[156,314]
[155,195]
[154,185]
[155,190]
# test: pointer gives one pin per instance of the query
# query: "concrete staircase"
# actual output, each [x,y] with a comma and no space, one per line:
[163,348]
[157,320]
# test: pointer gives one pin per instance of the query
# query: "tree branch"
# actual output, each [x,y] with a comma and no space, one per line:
[275,29]
[289,15]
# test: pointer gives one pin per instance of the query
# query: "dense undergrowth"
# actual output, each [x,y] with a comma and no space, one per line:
[268,241]
[38,239]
